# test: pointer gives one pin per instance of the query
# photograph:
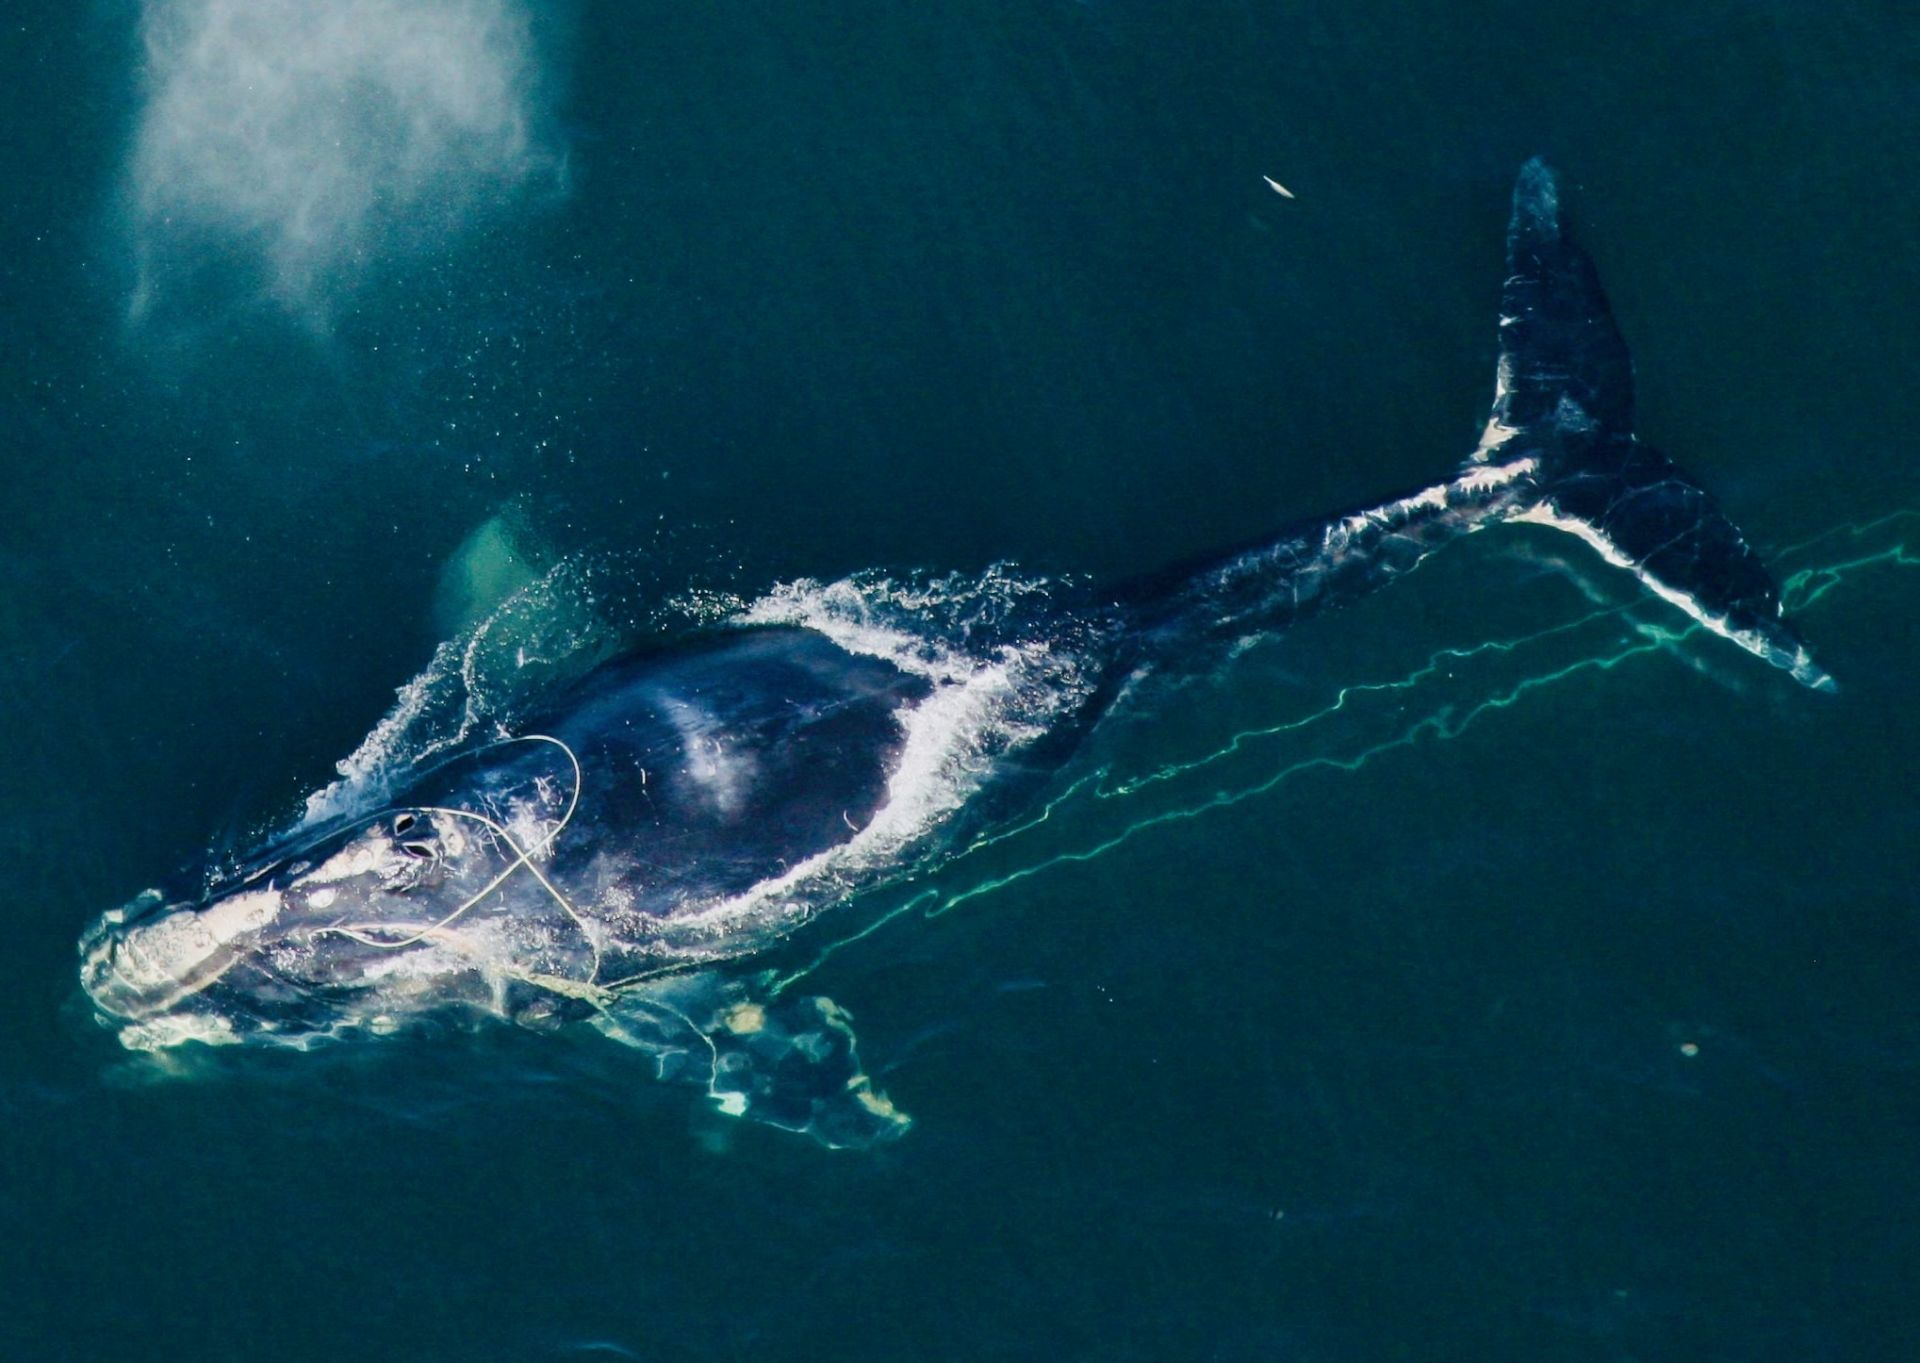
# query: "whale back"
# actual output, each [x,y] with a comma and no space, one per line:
[709,769]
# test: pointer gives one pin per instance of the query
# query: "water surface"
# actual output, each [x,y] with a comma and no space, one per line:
[1484,972]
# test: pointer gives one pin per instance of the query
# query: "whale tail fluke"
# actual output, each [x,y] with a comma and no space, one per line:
[1558,341]
[1563,400]
[1559,450]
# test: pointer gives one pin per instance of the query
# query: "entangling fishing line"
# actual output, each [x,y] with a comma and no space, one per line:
[523,857]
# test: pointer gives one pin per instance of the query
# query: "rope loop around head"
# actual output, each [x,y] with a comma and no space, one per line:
[363,933]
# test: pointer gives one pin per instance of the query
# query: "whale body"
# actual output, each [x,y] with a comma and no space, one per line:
[691,805]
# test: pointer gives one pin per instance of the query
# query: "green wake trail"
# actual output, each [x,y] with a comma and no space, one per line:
[1434,700]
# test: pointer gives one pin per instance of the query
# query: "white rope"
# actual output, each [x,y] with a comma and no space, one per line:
[523,857]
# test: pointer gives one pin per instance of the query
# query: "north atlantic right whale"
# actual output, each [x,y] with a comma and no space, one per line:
[605,856]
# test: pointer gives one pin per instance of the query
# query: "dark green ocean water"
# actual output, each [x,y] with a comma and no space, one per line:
[1494,974]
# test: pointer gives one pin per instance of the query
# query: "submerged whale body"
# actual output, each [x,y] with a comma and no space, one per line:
[679,809]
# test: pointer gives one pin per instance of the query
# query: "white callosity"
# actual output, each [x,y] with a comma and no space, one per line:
[158,963]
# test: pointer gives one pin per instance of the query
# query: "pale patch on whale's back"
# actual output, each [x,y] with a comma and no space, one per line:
[717,766]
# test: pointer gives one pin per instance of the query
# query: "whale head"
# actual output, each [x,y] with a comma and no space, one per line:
[304,943]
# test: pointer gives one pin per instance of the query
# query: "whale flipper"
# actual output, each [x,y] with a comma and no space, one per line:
[791,1062]
[1564,399]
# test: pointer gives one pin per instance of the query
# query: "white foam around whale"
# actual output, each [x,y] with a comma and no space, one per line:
[982,706]
[992,691]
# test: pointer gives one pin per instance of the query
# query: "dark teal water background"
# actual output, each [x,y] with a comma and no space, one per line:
[1372,1059]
